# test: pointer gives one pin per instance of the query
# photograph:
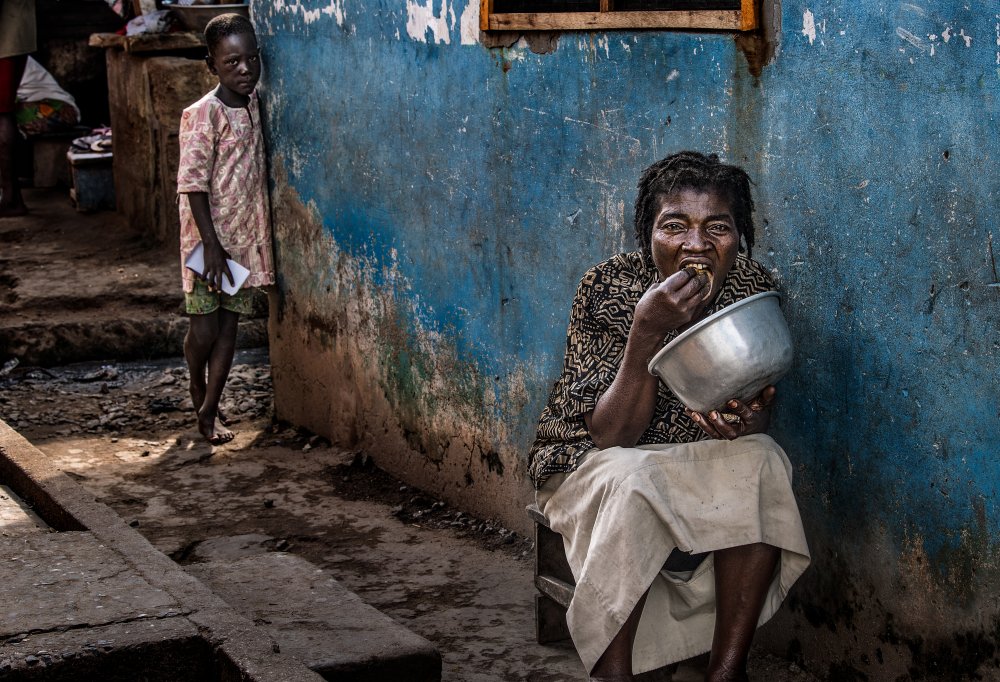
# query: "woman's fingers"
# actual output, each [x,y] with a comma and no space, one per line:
[741,409]
[714,425]
[680,293]
[741,418]
[766,397]
[701,421]
[727,425]
[685,284]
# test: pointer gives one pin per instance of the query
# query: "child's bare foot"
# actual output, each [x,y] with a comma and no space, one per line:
[213,430]
[197,390]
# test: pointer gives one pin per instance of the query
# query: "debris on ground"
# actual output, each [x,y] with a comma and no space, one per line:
[363,480]
[119,398]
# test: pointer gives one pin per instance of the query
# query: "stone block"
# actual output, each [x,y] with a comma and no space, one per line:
[162,649]
[319,622]
[70,580]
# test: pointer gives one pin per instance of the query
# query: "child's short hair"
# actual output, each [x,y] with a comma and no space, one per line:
[226,25]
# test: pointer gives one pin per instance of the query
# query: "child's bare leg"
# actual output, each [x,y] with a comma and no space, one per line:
[220,360]
[198,344]
[197,347]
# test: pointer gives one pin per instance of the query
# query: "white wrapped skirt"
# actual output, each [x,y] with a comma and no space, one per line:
[624,510]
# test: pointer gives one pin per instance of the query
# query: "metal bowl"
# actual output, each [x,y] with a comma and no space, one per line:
[734,353]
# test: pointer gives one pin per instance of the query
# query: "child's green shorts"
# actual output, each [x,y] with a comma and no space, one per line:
[201,301]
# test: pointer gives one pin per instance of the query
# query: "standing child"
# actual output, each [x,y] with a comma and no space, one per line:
[222,193]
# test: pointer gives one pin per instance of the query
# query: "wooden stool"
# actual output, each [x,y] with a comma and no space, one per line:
[553,579]
[555,583]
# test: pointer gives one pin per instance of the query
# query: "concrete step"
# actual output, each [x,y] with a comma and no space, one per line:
[78,287]
[95,601]
[319,622]
[136,337]
[73,607]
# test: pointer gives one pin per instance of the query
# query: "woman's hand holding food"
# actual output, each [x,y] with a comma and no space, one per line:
[672,303]
[742,419]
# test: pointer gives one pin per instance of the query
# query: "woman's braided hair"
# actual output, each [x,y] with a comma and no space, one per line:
[691,170]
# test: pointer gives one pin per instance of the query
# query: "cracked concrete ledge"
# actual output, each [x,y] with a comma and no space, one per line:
[193,632]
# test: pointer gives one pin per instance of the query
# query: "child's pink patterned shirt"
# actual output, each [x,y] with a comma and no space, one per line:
[222,153]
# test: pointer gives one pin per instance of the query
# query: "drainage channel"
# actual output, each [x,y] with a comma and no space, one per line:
[16,517]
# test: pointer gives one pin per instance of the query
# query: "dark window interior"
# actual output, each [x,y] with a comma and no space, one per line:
[654,5]
[533,6]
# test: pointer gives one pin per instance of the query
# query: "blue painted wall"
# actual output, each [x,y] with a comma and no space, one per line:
[469,188]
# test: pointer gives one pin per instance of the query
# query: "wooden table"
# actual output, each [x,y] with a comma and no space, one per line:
[151,78]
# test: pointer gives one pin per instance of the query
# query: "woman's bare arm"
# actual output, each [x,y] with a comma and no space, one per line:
[625,410]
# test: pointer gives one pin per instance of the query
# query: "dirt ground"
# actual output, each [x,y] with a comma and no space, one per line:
[72,284]
[125,431]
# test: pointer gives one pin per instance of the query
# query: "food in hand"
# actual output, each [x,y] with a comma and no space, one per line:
[704,275]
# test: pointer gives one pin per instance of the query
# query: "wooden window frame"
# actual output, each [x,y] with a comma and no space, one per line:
[743,19]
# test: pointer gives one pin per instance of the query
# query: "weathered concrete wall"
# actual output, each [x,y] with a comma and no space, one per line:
[437,202]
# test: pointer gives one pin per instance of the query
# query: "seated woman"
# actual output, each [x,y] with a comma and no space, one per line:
[629,477]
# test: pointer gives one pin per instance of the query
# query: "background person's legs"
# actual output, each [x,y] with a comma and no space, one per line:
[742,578]
[11,70]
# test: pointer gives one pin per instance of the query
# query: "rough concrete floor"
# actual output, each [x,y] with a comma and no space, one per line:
[125,432]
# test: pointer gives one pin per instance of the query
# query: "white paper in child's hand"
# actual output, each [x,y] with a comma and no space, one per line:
[196,262]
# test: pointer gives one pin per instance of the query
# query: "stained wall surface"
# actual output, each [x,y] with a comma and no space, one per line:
[436,202]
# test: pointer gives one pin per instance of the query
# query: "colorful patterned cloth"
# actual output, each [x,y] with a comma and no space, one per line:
[47,116]
[222,153]
[599,325]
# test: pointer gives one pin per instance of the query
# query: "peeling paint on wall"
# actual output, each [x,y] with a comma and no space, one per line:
[334,9]
[809,26]
[470,23]
[397,386]
[422,18]
[912,39]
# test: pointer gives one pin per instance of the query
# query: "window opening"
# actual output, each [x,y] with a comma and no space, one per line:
[549,15]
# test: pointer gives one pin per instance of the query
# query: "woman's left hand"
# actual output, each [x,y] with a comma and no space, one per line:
[742,419]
